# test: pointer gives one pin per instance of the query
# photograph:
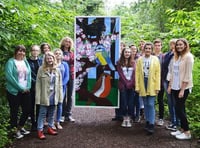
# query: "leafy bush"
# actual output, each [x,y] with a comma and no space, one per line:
[4,126]
[192,104]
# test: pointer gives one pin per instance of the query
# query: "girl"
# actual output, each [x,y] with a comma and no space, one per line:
[48,93]
[126,84]
[64,69]
[180,84]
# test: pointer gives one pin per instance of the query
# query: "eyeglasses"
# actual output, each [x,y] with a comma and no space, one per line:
[21,50]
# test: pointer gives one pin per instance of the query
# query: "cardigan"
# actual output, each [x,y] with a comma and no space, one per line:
[12,84]
[185,70]
[43,87]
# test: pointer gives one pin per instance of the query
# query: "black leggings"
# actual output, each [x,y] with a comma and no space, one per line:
[23,100]
[180,108]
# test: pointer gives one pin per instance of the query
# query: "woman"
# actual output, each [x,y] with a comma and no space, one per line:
[48,93]
[180,84]
[168,58]
[34,63]
[18,84]
[64,69]
[126,84]
[66,46]
[148,84]
[135,56]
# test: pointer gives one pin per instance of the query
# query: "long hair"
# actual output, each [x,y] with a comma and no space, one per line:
[62,45]
[186,50]
[45,66]
[122,61]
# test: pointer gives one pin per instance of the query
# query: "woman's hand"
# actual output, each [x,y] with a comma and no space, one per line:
[169,89]
[181,93]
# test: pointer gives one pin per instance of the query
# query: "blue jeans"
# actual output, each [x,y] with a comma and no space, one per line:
[42,115]
[60,105]
[59,112]
[127,102]
[171,105]
[149,108]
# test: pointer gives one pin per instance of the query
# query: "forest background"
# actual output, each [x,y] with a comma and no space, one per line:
[31,22]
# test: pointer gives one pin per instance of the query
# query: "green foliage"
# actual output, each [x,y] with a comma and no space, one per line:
[185,24]
[4,132]
[85,8]
[27,24]
[192,103]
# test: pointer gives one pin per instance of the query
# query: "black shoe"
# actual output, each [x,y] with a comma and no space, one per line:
[150,129]
[136,119]
[70,119]
[117,119]
[146,126]
[33,128]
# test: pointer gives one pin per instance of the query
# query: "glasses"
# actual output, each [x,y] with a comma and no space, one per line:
[35,50]
[21,50]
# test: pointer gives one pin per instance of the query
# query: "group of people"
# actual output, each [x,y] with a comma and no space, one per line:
[42,86]
[145,75]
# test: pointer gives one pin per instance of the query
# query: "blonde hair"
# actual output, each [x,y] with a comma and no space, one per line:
[62,45]
[58,49]
[172,41]
[45,65]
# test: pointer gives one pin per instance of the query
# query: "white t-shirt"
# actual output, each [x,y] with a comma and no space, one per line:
[22,72]
[146,66]
[127,71]
[176,75]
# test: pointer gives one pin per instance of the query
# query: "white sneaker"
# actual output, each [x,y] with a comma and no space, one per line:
[176,133]
[24,131]
[160,122]
[124,123]
[18,135]
[128,123]
[62,119]
[183,136]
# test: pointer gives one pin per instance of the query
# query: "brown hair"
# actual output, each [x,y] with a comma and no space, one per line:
[122,59]
[157,41]
[186,50]
[148,43]
[42,47]
[19,47]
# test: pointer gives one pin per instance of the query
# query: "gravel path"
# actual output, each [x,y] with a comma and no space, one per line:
[94,129]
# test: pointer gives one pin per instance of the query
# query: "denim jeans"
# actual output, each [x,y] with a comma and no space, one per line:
[171,105]
[180,108]
[127,102]
[59,112]
[149,108]
[42,115]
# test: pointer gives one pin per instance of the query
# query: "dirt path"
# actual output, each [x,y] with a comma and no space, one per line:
[94,129]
